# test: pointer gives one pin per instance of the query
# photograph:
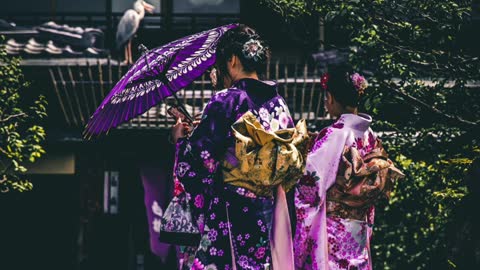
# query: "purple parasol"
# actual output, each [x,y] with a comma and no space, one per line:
[156,75]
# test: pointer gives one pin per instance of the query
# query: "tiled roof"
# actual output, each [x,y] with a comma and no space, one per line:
[51,40]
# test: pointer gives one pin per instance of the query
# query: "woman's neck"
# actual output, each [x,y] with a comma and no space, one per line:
[239,76]
[352,110]
[348,110]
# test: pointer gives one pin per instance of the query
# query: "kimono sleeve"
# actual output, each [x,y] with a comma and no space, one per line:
[310,196]
[199,155]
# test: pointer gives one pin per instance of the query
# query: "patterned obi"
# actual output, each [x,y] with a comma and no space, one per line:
[361,182]
[265,159]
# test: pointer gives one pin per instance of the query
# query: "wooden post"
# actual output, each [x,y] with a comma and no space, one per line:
[75,94]
[110,75]
[203,92]
[84,91]
[295,88]
[320,103]
[304,87]
[277,71]
[321,32]
[165,103]
[119,70]
[100,78]
[64,85]
[312,92]
[92,86]
[267,73]
[194,99]
[62,106]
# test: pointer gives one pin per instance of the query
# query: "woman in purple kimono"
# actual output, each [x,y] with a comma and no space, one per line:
[347,172]
[237,223]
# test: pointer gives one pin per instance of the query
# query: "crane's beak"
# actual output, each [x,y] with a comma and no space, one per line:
[148,8]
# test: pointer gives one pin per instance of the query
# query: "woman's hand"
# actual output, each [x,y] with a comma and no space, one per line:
[180,130]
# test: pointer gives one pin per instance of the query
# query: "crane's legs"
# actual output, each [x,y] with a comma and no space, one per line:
[128,53]
[125,50]
[130,59]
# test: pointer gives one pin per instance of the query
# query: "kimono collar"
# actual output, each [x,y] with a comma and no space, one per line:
[261,88]
[360,122]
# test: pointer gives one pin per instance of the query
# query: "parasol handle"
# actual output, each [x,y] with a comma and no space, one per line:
[166,82]
[162,76]
[142,48]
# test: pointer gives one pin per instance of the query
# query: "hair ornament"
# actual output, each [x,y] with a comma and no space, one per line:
[359,82]
[324,81]
[253,49]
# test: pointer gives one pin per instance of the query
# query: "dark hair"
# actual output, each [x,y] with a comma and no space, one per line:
[341,86]
[233,42]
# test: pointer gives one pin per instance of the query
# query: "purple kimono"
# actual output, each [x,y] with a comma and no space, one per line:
[235,220]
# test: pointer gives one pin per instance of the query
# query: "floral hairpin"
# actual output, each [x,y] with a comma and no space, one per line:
[359,82]
[324,80]
[252,49]
[213,77]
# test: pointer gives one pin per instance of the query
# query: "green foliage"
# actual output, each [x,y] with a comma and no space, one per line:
[410,229]
[20,136]
[423,94]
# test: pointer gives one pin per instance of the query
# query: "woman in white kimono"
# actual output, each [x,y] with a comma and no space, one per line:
[347,172]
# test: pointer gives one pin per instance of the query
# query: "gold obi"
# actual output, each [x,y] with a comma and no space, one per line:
[361,182]
[265,159]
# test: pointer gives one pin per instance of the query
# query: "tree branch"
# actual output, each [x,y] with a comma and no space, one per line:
[3,151]
[431,108]
[12,116]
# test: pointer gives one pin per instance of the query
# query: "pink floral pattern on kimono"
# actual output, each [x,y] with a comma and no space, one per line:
[324,242]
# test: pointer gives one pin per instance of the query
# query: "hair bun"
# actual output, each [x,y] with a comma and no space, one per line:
[245,43]
[346,85]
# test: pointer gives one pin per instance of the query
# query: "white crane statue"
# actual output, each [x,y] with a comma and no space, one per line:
[128,26]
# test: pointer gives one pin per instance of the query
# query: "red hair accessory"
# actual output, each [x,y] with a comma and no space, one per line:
[324,80]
